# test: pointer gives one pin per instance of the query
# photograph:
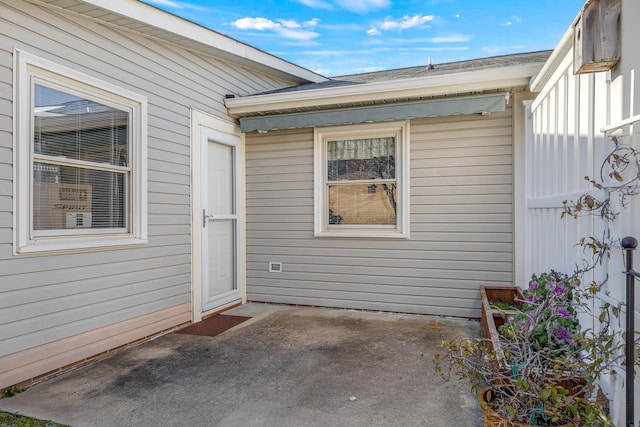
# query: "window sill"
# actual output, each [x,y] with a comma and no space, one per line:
[46,246]
[368,234]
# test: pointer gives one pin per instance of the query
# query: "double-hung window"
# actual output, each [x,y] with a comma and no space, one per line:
[361,181]
[80,148]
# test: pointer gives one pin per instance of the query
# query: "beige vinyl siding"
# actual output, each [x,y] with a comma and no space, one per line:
[50,297]
[461,224]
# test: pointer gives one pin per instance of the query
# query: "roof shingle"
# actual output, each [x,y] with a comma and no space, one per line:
[424,71]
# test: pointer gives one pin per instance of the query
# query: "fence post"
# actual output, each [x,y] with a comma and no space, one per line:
[629,244]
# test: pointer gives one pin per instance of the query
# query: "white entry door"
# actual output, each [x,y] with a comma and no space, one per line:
[220,254]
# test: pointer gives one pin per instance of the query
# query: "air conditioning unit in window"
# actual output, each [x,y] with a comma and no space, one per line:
[596,37]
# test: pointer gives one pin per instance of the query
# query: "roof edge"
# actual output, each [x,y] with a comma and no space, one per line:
[557,57]
[228,47]
[439,85]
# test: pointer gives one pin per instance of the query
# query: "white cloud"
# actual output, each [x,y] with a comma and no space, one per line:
[316,4]
[343,27]
[363,6]
[289,23]
[284,27]
[406,22]
[398,25]
[513,20]
[254,24]
[312,22]
[297,34]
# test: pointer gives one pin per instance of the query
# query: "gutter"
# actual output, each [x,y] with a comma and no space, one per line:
[429,86]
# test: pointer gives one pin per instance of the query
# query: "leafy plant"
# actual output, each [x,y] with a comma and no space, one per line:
[623,161]
[502,306]
[550,367]
[11,391]
[548,319]
[8,419]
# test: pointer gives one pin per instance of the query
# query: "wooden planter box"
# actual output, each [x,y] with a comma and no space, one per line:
[492,319]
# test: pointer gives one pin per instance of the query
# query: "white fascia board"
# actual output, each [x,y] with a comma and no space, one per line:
[438,85]
[557,57]
[226,45]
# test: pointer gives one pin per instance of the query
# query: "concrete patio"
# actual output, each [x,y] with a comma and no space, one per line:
[286,366]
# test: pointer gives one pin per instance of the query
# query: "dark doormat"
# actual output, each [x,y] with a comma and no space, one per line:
[214,325]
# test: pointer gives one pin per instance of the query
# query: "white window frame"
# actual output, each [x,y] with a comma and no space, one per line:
[29,69]
[322,228]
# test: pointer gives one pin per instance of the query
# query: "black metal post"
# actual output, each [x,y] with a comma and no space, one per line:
[629,244]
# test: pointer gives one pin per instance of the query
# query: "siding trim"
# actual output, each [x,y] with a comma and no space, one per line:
[28,364]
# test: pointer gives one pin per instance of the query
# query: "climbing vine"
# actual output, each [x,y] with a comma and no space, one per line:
[619,181]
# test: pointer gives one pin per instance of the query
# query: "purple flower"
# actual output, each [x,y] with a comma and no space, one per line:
[562,334]
[562,312]
[524,325]
[550,286]
[559,289]
[533,286]
[530,298]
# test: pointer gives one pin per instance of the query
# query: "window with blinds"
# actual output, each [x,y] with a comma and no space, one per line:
[81,160]
[81,169]
[361,175]
[361,181]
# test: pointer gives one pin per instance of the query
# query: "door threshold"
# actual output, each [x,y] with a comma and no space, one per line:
[221,309]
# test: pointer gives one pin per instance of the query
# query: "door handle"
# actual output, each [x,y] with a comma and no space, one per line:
[205,217]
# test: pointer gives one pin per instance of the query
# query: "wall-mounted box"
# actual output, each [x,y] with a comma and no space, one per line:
[596,37]
[275,267]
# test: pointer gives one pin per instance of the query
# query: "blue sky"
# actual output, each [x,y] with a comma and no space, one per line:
[337,37]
